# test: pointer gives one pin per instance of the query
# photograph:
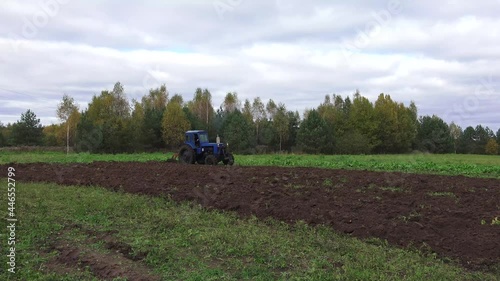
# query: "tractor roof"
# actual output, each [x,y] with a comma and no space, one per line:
[195,132]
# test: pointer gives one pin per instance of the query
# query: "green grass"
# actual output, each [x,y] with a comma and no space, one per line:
[186,242]
[61,157]
[443,194]
[448,164]
[391,188]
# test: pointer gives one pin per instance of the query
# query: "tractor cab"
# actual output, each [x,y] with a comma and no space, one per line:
[197,149]
[196,138]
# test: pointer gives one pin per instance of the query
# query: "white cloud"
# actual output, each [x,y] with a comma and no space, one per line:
[284,50]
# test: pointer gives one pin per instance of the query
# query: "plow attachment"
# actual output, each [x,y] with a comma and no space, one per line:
[174,158]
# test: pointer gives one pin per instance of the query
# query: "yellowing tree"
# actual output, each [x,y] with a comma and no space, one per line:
[231,102]
[174,124]
[201,106]
[259,115]
[281,124]
[51,135]
[247,111]
[67,111]
[491,147]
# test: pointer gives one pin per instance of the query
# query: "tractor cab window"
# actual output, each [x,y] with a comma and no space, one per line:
[203,138]
[196,140]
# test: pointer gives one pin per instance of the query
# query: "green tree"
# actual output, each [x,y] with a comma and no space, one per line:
[28,130]
[89,135]
[362,121]
[408,125]
[219,119]
[267,136]
[194,122]
[481,137]
[119,106]
[3,140]
[342,108]
[154,105]
[489,133]
[434,135]
[174,124]
[247,111]
[293,129]
[65,109]
[397,125]
[136,126]
[6,131]
[109,113]
[177,98]
[353,142]
[386,114]
[238,133]
[117,136]
[467,143]
[498,136]
[331,115]
[313,135]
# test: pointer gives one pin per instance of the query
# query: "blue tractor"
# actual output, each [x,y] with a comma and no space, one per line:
[197,149]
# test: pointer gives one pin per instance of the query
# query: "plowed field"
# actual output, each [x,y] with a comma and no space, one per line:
[448,215]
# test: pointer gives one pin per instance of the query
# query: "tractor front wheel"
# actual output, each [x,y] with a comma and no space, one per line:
[229,160]
[186,155]
[210,160]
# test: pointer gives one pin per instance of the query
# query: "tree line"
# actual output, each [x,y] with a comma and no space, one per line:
[351,125]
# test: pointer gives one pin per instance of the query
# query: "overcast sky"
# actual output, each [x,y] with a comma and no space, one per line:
[443,55]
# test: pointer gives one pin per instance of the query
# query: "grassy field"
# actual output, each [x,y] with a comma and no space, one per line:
[185,242]
[449,164]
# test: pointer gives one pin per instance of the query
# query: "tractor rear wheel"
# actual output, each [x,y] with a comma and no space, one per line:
[210,160]
[229,160]
[186,155]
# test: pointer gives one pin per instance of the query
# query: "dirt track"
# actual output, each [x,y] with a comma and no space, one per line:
[441,212]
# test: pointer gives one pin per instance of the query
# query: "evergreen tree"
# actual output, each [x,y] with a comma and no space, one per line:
[481,138]
[467,143]
[313,135]
[28,130]
[434,135]
[238,133]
